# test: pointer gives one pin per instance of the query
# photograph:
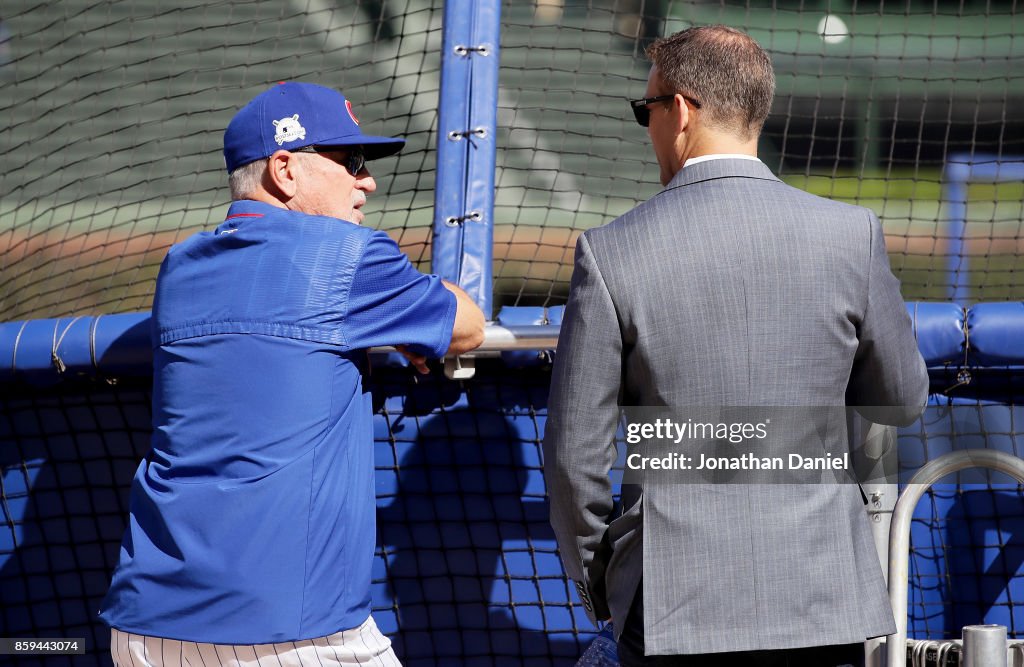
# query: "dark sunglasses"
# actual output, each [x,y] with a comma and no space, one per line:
[354,161]
[643,113]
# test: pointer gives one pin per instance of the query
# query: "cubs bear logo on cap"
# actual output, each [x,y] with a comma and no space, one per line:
[294,115]
[352,114]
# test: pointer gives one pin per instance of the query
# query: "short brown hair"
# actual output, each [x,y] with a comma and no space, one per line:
[724,69]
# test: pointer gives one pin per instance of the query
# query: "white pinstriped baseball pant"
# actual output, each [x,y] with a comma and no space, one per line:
[364,645]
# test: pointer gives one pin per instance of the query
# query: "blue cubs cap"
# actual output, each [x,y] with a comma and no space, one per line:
[293,115]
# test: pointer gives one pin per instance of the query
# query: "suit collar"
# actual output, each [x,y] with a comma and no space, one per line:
[724,168]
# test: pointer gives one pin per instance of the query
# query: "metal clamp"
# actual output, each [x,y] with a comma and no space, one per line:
[55,357]
[459,368]
[963,377]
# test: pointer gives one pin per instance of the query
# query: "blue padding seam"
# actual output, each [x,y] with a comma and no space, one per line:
[939,329]
[996,334]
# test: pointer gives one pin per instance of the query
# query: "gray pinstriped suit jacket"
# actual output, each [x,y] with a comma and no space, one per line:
[726,288]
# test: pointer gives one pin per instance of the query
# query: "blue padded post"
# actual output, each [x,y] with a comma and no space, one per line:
[961,170]
[467,118]
[453,116]
[955,178]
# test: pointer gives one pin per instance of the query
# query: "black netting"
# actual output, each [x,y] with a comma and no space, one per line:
[467,570]
[967,537]
[66,461]
[874,101]
[114,112]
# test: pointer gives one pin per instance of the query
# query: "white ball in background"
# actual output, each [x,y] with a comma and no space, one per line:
[832,29]
[548,11]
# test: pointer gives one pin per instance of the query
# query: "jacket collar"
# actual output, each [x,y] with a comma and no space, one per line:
[251,208]
[723,168]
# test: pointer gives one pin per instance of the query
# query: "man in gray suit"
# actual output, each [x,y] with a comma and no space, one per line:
[727,288]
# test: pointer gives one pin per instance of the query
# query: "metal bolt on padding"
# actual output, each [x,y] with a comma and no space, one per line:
[455,135]
[463,50]
[984,646]
[474,216]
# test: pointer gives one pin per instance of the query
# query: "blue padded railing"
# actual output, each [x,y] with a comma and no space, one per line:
[40,352]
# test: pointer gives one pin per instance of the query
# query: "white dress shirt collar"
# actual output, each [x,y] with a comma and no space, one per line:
[718,156]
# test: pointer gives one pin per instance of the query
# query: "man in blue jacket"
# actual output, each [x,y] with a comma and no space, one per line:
[252,523]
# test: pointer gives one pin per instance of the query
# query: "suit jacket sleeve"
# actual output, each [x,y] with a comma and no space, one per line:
[579,439]
[888,369]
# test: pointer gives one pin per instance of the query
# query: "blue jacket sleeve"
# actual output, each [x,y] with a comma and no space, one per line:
[391,303]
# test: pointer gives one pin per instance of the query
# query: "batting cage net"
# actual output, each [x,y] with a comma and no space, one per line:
[467,571]
[114,114]
[880,104]
[115,110]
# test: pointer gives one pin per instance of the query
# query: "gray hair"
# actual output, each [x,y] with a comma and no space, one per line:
[244,181]
[724,69]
